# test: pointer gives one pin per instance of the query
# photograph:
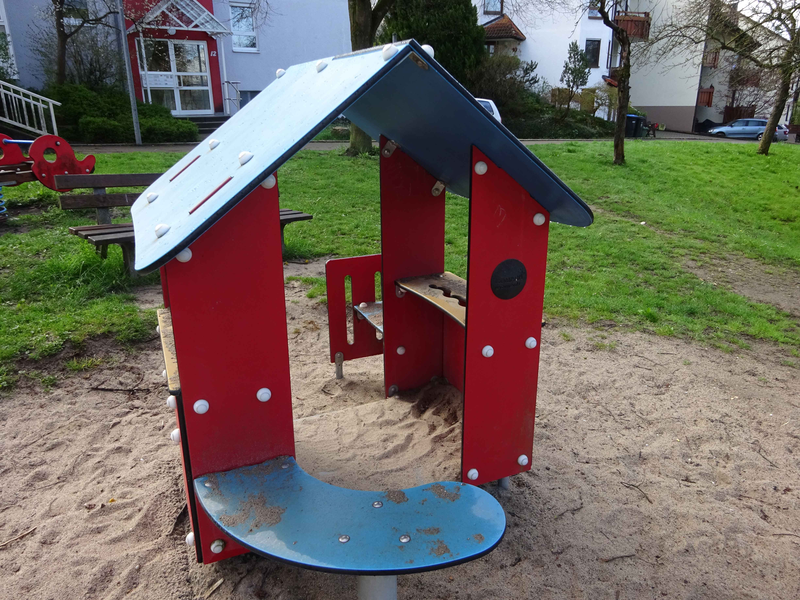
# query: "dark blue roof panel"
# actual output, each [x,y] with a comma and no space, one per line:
[407,97]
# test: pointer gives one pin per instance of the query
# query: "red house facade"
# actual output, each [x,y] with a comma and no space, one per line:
[183,69]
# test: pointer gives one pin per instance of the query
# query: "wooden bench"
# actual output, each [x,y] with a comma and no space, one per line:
[106,233]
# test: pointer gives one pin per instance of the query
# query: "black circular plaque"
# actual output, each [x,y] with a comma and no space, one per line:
[508,279]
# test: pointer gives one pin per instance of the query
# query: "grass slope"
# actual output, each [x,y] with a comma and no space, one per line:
[698,201]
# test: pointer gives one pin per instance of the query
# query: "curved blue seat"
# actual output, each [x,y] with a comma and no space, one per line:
[277,510]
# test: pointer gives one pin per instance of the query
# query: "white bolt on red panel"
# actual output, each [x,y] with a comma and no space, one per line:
[244,157]
[389,50]
[472,474]
[264,394]
[268,183]
[522,460]
[401,350]
[184,255]
[175,436]
[161,230]
[201,407]
[164,373]
[190,538]
[172,402]
[481,167]
[487,351]
[217,546]
[539,219]
[531,343]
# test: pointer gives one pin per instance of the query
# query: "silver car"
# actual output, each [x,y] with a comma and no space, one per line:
[747,128]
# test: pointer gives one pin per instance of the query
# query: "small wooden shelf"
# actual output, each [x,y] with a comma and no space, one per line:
[372,312]
[168,348]
[446,291]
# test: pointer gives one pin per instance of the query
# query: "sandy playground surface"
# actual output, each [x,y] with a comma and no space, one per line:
[660,469]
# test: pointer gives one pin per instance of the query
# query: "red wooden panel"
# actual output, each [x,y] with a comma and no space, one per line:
[65,161]
[412,235]
[500,392]
[229,321]
[453,348]
[361,270]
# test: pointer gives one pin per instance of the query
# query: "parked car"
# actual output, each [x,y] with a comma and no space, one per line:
[491,107]
[782,133]
[747,128]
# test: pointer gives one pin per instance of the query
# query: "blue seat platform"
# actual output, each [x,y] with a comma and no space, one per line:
[277,510]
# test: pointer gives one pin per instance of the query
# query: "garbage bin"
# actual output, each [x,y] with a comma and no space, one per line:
[633,126]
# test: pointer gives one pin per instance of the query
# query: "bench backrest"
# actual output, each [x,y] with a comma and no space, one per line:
[100,200]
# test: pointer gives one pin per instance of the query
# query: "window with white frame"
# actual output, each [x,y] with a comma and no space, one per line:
[493,7]
[243,27]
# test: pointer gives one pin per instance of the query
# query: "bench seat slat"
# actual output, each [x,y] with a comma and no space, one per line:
[80,201]
[70,182]
[277,510]
[125,237]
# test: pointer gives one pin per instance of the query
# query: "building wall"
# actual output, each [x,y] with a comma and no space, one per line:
[22,16]
[296,31]
[548,40]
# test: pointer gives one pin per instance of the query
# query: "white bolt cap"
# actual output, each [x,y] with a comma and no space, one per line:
[321,66]
[190,538]
[530,343]
[172,402]
[428,48]
[401,350]
[280,73]
[268,183]
[362,305]
[472,474]
[522,460]
[487,351]
[184,255]
[481,167]
[213,143]
[152,197]
[164,373]
[539,219]
[201,407]
[175,436]
[158,329]
[264,394]
[389,50]
[244,157]
[217,546]
[161,229]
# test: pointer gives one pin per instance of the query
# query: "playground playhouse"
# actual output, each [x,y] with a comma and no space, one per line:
[211,224]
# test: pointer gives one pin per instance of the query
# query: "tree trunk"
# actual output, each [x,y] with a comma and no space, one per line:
[361,36]
[624,87]
[780,104]
[61,43]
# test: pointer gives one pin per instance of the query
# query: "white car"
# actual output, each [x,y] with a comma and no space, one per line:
[491,107]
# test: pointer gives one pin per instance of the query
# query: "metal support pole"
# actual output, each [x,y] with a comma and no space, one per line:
[383,587]
[128,71]
[339,365]
[504,483]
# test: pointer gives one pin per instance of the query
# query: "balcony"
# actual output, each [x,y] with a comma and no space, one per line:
[711,59]
[636,24]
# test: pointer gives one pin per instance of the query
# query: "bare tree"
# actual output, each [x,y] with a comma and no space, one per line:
[762,35]
[365,18]
[607,10]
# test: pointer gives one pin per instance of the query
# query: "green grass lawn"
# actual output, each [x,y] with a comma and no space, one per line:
[699,201]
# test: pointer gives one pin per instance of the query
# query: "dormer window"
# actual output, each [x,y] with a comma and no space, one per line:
[493,7]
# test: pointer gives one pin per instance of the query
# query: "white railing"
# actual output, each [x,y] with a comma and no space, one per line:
[26,110]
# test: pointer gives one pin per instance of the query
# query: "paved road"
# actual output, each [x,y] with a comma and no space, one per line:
[115,148]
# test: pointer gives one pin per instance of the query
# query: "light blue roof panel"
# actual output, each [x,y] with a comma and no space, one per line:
[408,98]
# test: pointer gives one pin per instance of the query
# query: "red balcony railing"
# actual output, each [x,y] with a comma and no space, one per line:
[637,24]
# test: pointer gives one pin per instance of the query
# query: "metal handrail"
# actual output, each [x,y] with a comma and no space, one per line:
[236,100]
[27,110]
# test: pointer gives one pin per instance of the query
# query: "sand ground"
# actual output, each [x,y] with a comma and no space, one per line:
[660,469]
